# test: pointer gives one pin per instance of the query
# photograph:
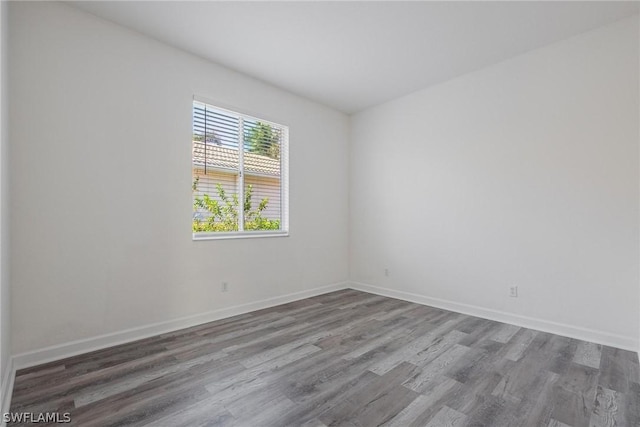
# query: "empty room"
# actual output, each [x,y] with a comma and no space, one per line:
[320,213]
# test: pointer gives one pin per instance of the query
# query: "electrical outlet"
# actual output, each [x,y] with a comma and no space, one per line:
[513,291]
[386,272]
[224,287]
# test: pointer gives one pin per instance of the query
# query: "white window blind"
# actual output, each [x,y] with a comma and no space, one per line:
[240,176]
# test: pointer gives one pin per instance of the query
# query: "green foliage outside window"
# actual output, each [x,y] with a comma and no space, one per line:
[264,140]
[223,213]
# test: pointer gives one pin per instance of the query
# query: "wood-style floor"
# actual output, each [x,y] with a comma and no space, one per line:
[346,358]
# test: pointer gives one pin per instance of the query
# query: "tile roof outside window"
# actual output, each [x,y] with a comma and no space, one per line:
[227,158]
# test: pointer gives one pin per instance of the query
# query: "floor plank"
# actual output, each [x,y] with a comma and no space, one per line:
[447,417]
[588,354]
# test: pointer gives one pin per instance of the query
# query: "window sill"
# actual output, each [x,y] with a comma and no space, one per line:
[238,235]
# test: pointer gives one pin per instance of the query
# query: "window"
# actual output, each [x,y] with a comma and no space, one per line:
[240,176]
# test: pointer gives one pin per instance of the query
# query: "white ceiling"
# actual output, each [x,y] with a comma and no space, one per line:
[352,55]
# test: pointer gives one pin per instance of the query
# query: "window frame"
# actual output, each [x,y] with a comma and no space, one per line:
[284,175]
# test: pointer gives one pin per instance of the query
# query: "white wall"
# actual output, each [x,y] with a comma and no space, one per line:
[101,129]
[522,173]
[5,294]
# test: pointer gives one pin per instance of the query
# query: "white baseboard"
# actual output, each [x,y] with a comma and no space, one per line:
[592,335]
[73,348]
[7,389]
